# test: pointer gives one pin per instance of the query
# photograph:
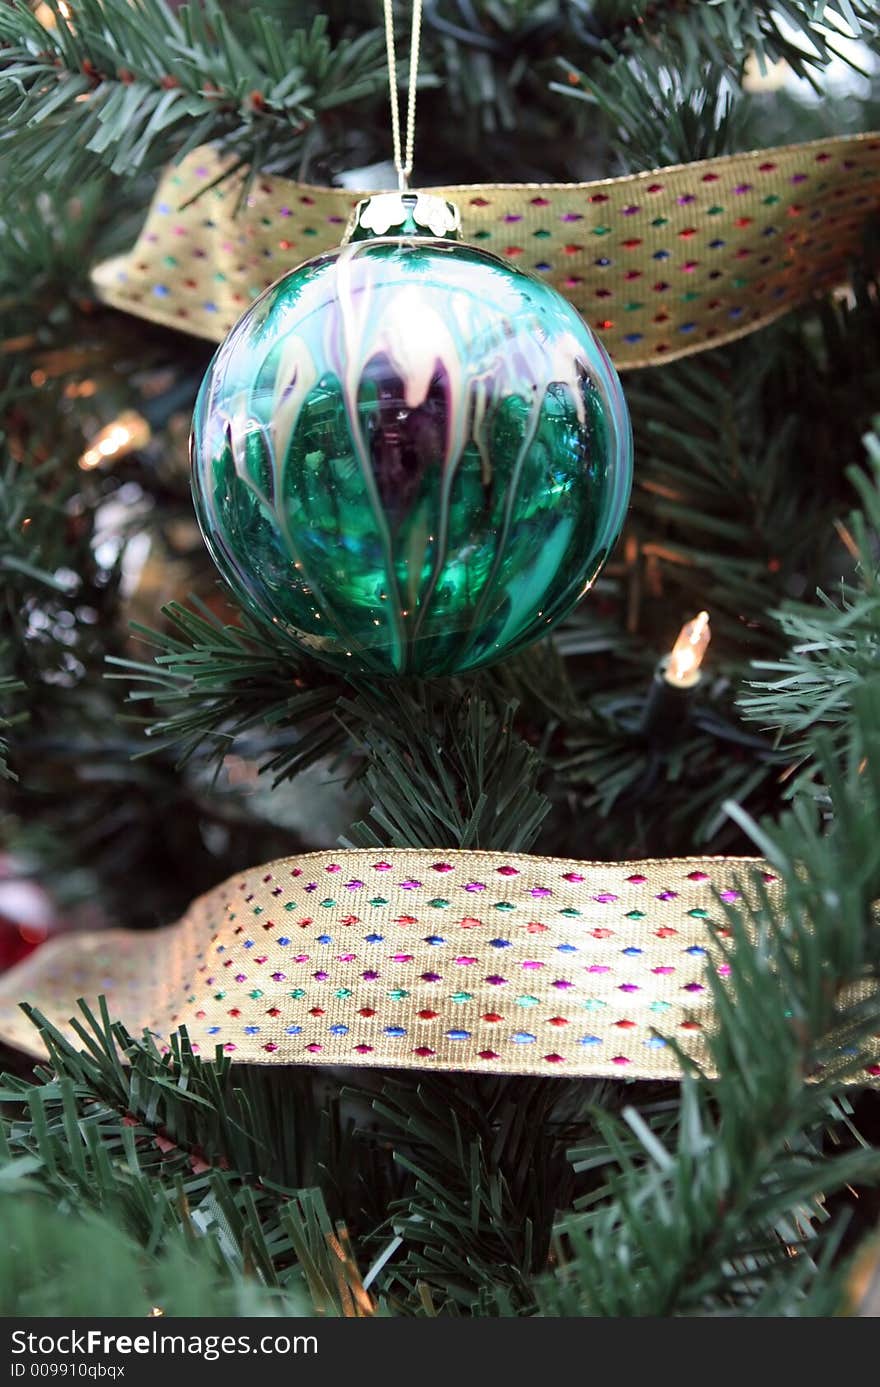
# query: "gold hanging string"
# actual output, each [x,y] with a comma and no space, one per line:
[403,160]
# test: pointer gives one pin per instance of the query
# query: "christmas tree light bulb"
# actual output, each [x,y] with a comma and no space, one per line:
[683,667]
[45,15]
[124,435]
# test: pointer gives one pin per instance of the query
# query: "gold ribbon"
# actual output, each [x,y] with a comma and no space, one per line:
[474,961]
[660,264]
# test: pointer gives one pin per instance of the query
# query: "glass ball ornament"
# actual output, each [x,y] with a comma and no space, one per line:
[408,455]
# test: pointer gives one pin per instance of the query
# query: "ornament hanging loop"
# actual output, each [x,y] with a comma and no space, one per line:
[403,155]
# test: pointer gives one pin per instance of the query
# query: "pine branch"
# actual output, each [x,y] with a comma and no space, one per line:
[168,1150]
[731,463]
[670,788]
[52,1258]
[47,239]
[61,616]
[212,682]
[443,770]
[488,1173]
[691,33]
[834,644]
[9,687]
[441,765]
[804,35]
[670,83]
[127,85]
[46,563]
[124,86]
[497,55]
[658,112]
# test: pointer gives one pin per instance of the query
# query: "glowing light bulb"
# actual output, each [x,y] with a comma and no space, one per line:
[124,435]
[46,15]
[683,666]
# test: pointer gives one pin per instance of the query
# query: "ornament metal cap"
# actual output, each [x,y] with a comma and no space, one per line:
[404,214]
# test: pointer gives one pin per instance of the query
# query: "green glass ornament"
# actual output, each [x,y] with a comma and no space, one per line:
[409,456]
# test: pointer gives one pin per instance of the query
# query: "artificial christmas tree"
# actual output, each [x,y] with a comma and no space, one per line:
[557,808]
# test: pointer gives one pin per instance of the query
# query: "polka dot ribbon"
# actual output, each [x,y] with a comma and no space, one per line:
[419,960]
[660,264]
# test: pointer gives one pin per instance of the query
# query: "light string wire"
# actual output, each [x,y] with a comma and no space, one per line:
[403,160]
